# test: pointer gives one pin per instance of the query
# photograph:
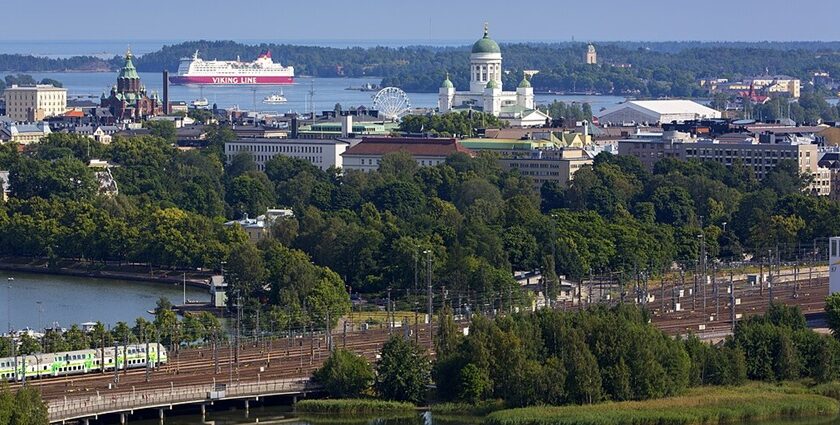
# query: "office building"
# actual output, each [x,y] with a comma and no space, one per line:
[320,153]
[34,103]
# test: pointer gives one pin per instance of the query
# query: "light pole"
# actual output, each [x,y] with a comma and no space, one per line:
[9,303]
[429,294]
[40,310]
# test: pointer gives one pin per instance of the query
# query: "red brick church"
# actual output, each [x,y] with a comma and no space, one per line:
[128,100]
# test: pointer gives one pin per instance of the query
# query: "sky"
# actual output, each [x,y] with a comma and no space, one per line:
[424,20]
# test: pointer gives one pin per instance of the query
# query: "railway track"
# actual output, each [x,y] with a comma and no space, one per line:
[285,358]
[264,360]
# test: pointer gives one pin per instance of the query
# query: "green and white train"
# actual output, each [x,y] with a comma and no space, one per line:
[81,361]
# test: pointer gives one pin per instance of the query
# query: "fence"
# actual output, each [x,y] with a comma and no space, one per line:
[99,404]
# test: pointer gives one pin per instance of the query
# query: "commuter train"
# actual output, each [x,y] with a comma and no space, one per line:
[81,361]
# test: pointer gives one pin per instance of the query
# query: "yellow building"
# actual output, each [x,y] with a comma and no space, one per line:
[34,103]
[541,160]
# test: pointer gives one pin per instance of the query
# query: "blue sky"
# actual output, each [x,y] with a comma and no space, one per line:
[538,20]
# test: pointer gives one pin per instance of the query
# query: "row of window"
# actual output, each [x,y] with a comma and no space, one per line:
[276,149]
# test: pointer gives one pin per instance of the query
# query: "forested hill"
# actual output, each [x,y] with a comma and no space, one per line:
[633,68]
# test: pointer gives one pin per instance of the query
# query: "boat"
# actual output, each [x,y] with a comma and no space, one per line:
[200,102]
[275,98]
[197,71]
[365,87]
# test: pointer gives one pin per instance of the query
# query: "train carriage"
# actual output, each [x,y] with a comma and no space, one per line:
[81,361]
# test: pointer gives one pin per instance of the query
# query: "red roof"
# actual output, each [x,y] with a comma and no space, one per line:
[416,146]
[75,113]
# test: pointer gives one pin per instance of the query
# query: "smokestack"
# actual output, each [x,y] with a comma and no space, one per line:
[346,125]
[165,92]
[294,128]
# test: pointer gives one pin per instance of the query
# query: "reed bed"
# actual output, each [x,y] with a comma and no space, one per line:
[700,406]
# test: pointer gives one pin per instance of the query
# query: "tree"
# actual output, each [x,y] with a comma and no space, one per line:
[29,345]
[583,379]
[344,374]
[447,337]
[7,403]
[832,310]
[473,384]
[402,371]
[164,129]
[29,408]
[400,165]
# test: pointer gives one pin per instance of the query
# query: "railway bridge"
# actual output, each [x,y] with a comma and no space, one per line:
[202,376]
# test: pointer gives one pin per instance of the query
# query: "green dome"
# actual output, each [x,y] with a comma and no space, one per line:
[446,83]
[486,44]
[525,84]
[492,84]
[128,70]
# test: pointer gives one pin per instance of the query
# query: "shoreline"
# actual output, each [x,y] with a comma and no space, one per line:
[192,282]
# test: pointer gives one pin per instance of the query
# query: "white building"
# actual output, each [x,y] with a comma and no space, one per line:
[34,103]
[486,93]
[320,153]
[656,111]
[591,55]
[834,265]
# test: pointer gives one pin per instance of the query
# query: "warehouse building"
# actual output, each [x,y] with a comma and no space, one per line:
[637,112]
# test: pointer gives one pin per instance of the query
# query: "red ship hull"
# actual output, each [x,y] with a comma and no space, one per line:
[230,81]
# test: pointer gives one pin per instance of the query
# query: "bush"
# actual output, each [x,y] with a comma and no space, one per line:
[832,310]
[352,406]
[345,374]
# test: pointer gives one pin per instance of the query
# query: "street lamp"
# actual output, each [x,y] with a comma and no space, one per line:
[429,293]
[40,310]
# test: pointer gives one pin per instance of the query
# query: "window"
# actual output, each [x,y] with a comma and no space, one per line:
[834,248]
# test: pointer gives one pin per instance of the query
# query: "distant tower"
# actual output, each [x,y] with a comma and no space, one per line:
[591,55]
[493,98]
[525,94]
[834,265]
[446,95]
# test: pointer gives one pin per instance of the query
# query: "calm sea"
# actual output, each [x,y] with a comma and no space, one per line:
[326,92]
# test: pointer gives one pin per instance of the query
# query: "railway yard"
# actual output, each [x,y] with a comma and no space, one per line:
[296,358]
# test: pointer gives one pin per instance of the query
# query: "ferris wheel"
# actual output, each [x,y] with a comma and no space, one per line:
[392,103]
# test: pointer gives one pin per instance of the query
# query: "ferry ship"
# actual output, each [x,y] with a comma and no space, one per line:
[198,71]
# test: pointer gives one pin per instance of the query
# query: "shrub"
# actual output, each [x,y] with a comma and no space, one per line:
[345,374]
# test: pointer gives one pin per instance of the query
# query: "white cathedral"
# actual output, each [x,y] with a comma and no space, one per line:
[486,92]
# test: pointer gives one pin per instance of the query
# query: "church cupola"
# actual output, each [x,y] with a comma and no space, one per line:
[128,80]
[446,95]
[485,63]
[525,94]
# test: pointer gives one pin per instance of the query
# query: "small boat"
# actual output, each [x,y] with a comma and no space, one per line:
[200,102]
[275,98]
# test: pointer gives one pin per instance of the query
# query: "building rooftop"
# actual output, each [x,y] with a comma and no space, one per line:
[416,146]
[36,87]
[668,106]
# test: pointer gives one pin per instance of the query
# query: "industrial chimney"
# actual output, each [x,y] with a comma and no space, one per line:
[166,92]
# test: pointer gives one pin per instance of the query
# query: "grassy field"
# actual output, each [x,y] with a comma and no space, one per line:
[699,406]
[352,406]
